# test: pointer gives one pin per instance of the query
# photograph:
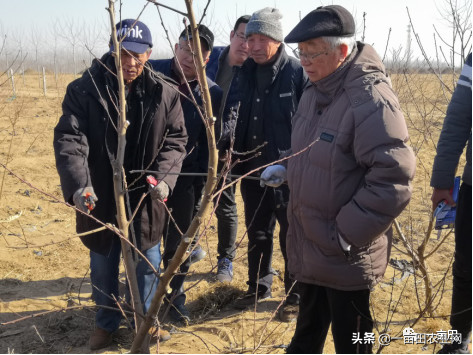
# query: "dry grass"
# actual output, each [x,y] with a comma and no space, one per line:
[44,267]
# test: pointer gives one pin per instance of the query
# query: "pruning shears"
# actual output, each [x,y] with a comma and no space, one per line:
[153,182]
[89,201]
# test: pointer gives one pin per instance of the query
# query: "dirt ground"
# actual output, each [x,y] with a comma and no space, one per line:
[45,304]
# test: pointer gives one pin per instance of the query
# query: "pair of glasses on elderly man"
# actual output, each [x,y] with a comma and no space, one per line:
[309,57]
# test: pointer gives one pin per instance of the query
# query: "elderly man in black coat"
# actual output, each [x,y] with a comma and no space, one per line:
[85,144]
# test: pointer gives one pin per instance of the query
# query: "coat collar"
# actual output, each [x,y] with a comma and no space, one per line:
[101,82]
[250,65]
[223,55]
[328,87]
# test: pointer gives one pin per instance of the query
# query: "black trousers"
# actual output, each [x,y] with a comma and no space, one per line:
[182,202]
[347,311]
[227,216]
[460,319]
[263,206]
[227,219]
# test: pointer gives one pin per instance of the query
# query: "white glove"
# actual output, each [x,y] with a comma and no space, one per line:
[160,191]
[273,176]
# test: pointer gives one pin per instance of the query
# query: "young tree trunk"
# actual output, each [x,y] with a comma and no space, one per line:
[141,341]
[119,180]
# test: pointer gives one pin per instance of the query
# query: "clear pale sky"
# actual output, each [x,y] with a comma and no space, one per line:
[18,18]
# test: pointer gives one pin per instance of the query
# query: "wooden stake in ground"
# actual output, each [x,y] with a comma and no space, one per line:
[12,78]
[44,81]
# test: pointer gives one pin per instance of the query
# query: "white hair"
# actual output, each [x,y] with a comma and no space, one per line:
[334,42]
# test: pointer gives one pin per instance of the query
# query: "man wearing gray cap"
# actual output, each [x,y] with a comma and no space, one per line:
[270,85]
[347,187]
[85,144]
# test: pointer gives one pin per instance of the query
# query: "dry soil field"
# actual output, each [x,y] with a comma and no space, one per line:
[45,304]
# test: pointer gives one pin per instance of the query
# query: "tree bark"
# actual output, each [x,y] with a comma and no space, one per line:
[140,343]
[119,179]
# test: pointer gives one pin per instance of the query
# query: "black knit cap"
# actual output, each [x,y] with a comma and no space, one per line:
[328,21]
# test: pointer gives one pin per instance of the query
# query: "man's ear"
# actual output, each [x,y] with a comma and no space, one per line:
[343,51]
[175,47]
[232,34]
[148,53]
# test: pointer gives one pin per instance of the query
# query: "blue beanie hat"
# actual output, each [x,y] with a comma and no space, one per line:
[266,22]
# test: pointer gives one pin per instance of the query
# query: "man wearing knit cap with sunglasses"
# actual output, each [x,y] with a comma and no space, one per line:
[270,86]
[347,188]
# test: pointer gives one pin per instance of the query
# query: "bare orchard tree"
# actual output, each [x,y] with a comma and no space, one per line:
[424,96]
[69,31]
[141,341]
[91,37]
[36,39]
[455,14]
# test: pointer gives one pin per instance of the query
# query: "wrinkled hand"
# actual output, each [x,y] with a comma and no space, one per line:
[160,191]
[439,195]
[273,176]
[84,199]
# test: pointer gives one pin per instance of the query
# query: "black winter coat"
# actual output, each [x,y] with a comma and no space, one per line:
[197,147]
[85,142]
[280,103]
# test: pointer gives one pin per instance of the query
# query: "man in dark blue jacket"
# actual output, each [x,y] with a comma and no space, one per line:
[455,135]
[270,85]
[188,189]
[223,68]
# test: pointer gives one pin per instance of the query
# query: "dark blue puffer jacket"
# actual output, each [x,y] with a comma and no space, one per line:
[455,135]
[231,101]
[196,148]
[214,61]
[279,102]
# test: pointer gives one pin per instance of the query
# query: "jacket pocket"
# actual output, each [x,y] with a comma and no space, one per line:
[327,239]
[348,250]
[322,151]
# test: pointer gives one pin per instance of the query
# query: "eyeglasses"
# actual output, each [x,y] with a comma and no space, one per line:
[307,56]
[241,37]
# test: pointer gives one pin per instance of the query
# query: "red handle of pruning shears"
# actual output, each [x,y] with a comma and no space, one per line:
[151,180]
[89,201]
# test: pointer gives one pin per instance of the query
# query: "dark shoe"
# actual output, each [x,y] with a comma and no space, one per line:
[161,334]
[249,298]
[197,255]
[99,339]
[288,312]
[179,314]
[224,270]
[454,349]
